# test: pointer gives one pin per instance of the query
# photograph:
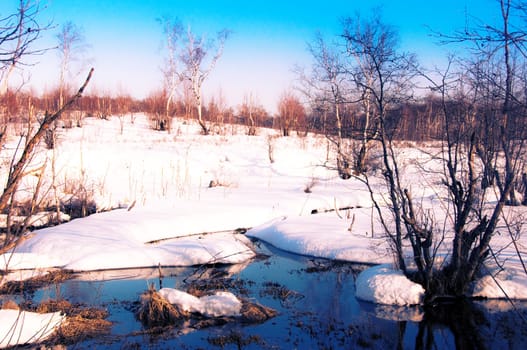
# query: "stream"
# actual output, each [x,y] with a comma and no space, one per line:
[316,304]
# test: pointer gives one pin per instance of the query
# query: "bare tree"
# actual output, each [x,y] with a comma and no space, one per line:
[382,74]
[123,105]
[173,31]
[198,64]
[247,110]
[464,93]
[503,50]
[291,113]
[189,62]
[251,113]
[71,44]
[155,108]
[327,87]
[18,34]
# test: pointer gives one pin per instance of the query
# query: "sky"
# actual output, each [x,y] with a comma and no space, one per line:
[269,38]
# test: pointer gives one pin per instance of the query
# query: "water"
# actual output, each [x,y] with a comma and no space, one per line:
[316,304]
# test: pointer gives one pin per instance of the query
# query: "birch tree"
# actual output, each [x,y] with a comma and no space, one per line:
[190,60]
[173,31]
[71,44]
[199,57]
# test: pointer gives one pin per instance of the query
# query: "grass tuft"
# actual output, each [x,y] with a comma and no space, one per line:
[155,311]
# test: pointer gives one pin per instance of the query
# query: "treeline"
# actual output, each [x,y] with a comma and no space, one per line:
[420,120]
[21,107]
[415,120]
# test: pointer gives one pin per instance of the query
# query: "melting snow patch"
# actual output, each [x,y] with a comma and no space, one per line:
[383,285]
[216,305]
[488,287]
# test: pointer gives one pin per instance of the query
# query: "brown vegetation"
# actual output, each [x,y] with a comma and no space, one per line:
[32,284]
[291,114]
[81,323]
[156,311]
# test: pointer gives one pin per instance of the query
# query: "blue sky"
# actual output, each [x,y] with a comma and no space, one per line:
[268,38]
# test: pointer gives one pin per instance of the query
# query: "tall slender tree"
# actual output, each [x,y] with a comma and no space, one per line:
[173,31]
[190,60]
[199,57]
[383,76]
[71,44]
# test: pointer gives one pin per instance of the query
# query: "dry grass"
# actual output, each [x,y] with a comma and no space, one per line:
[256,313]
[155,311]
[32,284]
[79,327]
[250,312]
[81,323]
[55,306]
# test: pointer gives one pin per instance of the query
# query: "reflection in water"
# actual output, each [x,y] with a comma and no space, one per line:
[323,313]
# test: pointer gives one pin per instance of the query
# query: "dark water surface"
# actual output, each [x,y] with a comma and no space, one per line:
[316,304]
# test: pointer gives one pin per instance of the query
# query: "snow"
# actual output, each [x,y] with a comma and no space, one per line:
[22,327]
[326,236]
[503,286]
[384,285]
[164,212]
[216,305]
[119,239]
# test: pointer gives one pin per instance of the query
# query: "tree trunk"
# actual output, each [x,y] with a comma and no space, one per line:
[204,128]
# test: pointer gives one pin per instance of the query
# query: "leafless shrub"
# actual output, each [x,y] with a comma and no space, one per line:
[291,114]
[18,169]
[79,200]
[155,108]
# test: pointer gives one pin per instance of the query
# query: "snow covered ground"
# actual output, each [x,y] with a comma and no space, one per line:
[22,327]
[170,215]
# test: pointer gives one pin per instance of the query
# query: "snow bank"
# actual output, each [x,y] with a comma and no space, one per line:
[327,236]
[119,239]
[219,304]
[384,285]
[22,327]
[498,287]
